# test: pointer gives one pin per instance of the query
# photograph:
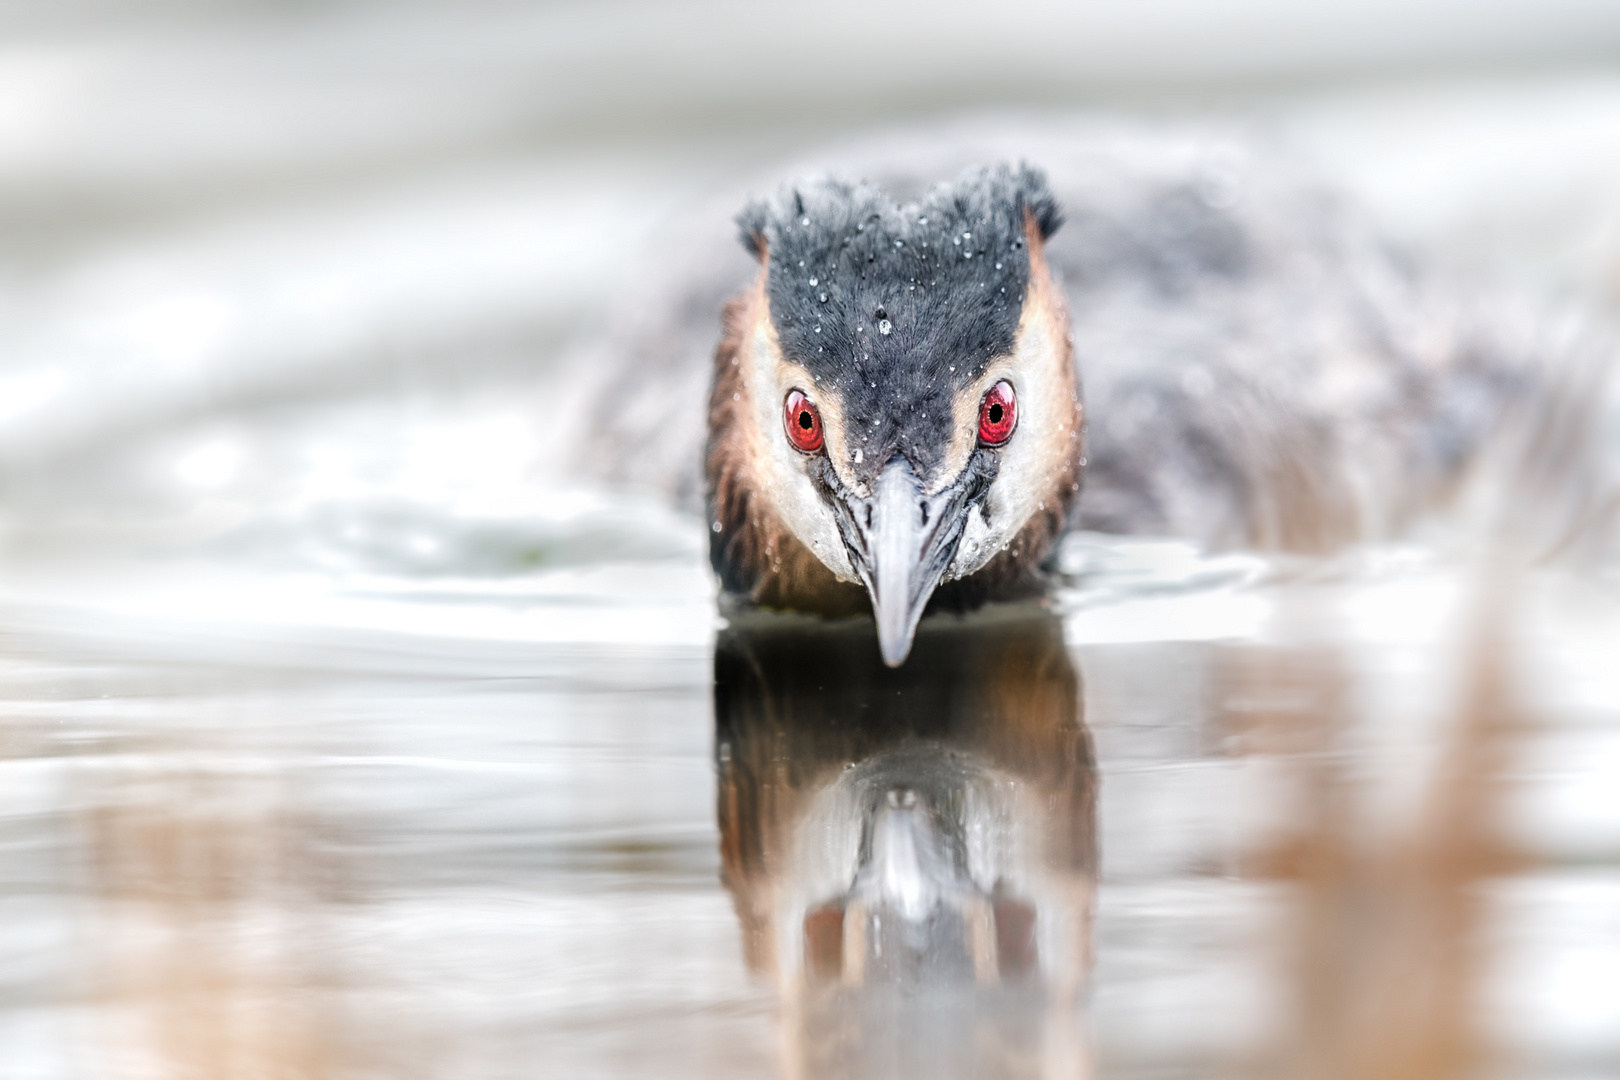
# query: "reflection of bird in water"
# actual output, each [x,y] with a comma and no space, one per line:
[911,852]
[895,416]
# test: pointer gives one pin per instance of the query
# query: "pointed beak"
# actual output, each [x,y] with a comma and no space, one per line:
[901,541]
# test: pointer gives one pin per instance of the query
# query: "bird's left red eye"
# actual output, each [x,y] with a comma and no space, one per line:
[802,421]
[998,414]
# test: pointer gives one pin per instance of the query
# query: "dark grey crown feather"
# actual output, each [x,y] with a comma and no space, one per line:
[1020,187]
[898,308]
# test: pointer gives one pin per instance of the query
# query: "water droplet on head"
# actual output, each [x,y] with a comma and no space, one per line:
[885,326]
[823,298]
[818,328]
[715,526]
[998,267]
[804,221]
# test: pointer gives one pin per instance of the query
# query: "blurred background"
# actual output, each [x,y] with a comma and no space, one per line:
[226,221]
[344,731]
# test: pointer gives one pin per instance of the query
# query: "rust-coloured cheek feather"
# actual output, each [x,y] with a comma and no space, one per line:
[753,551]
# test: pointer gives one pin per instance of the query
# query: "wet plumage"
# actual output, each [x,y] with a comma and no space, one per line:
[890,324]
[1258,368]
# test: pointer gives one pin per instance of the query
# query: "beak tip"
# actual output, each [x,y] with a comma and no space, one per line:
[901,551]
[895,647]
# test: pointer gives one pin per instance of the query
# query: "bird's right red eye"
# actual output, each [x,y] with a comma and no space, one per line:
[802,421]
[998,414]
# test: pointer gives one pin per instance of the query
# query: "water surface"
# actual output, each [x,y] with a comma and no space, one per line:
[1203,816]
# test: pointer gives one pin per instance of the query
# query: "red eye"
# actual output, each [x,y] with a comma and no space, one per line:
[998,413]
[802,421]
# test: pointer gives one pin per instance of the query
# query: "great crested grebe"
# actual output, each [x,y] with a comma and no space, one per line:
[909,398]
[894,400]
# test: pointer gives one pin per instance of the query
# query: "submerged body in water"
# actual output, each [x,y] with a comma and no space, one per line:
[896,402]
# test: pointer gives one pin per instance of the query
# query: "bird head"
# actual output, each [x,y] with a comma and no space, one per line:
[895,404]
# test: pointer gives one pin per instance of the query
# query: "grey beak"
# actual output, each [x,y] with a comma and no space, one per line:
[901,542]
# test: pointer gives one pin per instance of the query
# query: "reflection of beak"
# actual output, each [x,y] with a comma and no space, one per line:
[900,541]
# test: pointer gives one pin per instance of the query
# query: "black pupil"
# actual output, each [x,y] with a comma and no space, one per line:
[996,412]
[806,421]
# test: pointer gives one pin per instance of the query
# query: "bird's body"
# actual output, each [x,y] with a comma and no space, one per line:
[1258,369]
